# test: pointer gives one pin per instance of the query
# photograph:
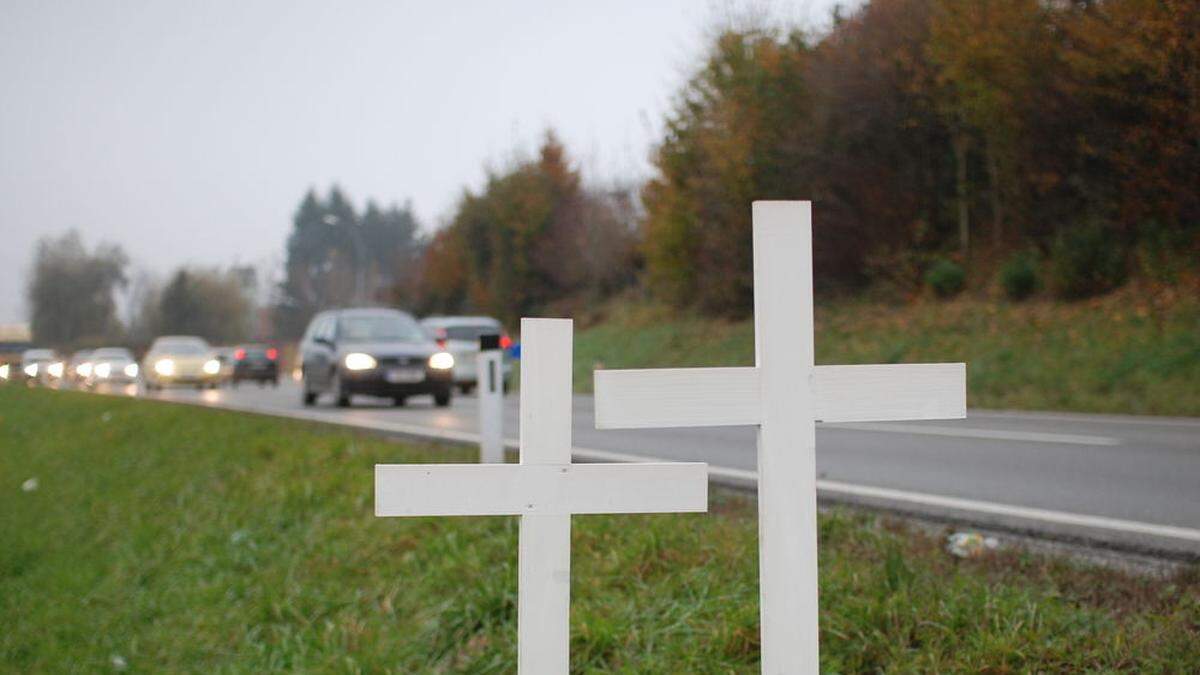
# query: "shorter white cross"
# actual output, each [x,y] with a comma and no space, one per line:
[545,489]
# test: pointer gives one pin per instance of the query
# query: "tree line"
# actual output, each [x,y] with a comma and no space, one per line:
[946,144]
[73,295]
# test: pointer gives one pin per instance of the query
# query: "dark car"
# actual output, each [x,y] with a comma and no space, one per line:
[377,352]
[255,363]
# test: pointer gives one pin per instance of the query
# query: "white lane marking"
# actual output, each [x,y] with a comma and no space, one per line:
[1030,513]
[1087,418]
[985,434]
[904,496]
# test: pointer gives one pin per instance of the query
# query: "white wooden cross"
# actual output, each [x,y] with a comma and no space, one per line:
[784,394]
[544,489]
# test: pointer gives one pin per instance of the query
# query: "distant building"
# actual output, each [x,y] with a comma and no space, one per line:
[14,339]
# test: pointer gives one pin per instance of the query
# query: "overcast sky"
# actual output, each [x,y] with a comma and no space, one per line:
[188,131]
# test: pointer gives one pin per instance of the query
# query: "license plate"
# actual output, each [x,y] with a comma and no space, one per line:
[405,375]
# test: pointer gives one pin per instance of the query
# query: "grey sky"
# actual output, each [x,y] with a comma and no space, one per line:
[188,131]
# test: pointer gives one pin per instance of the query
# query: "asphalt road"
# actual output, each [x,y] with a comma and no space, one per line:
[1126,482]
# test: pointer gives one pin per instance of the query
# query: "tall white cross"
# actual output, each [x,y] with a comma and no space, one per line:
[784,394]
[544,489]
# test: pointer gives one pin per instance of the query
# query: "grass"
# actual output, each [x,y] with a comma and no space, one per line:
[1130,352]
[171,538]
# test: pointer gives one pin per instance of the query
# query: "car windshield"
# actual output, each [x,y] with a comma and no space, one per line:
[470,332]
[113,353]
[380,328]
[38,355]
[182,347]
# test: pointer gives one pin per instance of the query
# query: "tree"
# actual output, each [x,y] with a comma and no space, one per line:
[336,258]
[210,303]
[71,291]
[534,238]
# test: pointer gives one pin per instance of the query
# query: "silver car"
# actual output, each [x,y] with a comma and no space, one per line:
[42,366]
[113,365]
[460,335]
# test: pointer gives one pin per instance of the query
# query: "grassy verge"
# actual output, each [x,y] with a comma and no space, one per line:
[1130,352]
[167,538]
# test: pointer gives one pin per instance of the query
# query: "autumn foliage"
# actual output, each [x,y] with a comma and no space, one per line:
[927,128]
[533,239]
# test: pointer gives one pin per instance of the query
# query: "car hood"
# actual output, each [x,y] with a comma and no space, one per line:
[389,349]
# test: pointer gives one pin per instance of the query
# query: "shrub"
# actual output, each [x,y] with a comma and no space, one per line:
[1019,276]
[1086,260]
[946,278]
[1164,253]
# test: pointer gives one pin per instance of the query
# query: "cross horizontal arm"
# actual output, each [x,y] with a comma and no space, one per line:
[878,393]
[705,397]
[539,489]
[677,397]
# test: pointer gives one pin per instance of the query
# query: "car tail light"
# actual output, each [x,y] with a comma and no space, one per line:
[239,354]
[505,342]
[272,353]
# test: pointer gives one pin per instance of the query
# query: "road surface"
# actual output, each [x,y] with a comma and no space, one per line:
[1129,482]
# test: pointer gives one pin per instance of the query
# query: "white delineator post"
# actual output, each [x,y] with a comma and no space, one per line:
[544,489]
[784,394]
[490,385]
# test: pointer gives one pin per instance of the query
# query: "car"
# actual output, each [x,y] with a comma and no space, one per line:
[460,335]
[224,356]
[377,352]
[79,368]
[113,365]
[256,363]
[41,366]
[180,359]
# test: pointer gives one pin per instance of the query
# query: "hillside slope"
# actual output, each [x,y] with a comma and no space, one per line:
[1129,352]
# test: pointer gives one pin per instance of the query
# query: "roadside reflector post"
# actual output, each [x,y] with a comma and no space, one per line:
[490,385]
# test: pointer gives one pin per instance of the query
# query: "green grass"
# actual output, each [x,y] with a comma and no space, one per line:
[1124,353]
[171,538]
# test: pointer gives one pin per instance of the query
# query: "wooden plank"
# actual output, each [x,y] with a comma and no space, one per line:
[787,484]
[544,595]
[706,397]
[544,545]
[546,391]
[541,489]
[677,397]
[918,391]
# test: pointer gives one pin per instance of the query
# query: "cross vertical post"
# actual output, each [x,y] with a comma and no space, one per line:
[544,553]
[787,483]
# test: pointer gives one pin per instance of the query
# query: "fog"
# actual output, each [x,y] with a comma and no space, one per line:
[188,132]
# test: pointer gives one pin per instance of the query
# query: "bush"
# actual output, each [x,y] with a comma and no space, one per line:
[1019,276]
[946,278]
[1164,253]
[1086,261]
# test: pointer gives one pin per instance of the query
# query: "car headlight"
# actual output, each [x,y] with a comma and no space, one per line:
[131,370]
[441,361]
[164,367]
[212,367]
[359,361]
[84,369]
[4,371]
[31,370]
[55,369]
[102,370]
